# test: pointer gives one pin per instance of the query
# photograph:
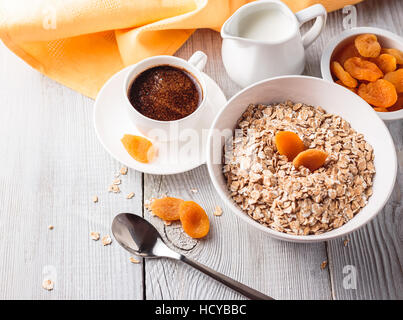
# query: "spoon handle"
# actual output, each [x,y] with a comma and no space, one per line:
[233,284]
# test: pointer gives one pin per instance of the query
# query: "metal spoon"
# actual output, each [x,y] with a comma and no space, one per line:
[139,237]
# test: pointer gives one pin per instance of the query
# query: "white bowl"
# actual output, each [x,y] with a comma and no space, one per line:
[386,38]
[334,99]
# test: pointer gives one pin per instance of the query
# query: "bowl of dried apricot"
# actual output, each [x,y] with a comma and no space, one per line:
[301,158]
[369,62]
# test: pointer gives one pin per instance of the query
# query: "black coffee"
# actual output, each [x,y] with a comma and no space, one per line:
[165,93]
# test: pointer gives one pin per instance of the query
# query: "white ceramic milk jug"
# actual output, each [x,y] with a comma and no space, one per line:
[262,39]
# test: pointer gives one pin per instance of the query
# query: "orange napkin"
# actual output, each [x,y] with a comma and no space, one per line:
[81,43]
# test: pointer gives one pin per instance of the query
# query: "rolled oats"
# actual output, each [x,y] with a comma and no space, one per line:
[272,191]
[114,188]
[94,235]
[48,284]
[217,211]
[134,260]
[106,240]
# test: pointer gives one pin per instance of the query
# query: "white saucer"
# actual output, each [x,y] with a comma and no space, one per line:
[111,123]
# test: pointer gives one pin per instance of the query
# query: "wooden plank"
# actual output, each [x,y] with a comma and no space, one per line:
[282,270]
[375,251]
[51,166]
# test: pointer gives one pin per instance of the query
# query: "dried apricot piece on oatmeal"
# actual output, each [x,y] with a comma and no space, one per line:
[396,78]
[139,148]
[312,159]
[380,93]
[194,219]
[289,144]
[166,208]
[343,75]
[368,45]
[362,69]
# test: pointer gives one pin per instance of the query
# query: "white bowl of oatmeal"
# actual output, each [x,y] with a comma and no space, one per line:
[264,189]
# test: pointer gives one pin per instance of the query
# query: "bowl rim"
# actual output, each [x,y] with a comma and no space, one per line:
[273,233]
[335,41]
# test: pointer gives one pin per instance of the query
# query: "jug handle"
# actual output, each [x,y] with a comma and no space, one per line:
[317,11]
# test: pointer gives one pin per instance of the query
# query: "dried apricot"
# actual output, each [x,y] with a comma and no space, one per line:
[362,69]
[312,159]
[194,219]
[139,148]
[398,105]
[380,93]
[289,144]
[396,53]
[368,45]
[347,52]
[386,62]
[342,84]
[396,78]
[380,109]
[166,208]
[343,75]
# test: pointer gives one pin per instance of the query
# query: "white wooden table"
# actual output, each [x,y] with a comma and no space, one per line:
[51,165]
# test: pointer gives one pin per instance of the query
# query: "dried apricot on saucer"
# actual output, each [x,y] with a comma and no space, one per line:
[312,159]
[194,219]
[396,78]
[139,148]
[380,93]
[362,69]
[289,144]
[396,53]
[166,208]
[368,45]
[343,75]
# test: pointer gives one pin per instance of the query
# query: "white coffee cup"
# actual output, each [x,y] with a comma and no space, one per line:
[251,59]
[166,130]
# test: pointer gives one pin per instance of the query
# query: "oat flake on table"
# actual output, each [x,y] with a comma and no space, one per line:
[217,211]
[272,191]
[106,240]
[134,260]
[48,284]
[94,235]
